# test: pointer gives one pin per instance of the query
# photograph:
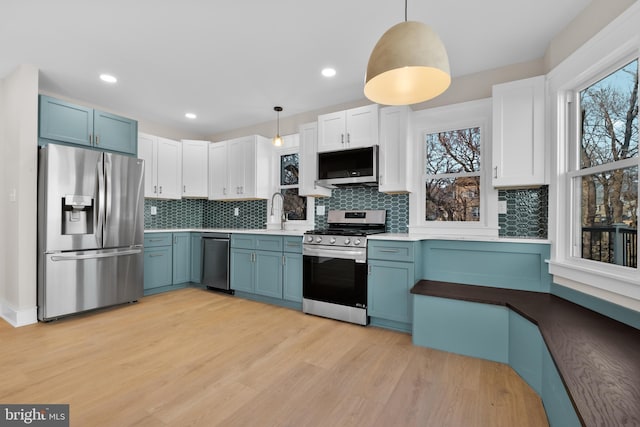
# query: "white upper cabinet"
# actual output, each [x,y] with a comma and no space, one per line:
[163,166]
[519,133]
[194,169]
[308,159]
[218,178]
[354,128]
[239,169]
[395,165]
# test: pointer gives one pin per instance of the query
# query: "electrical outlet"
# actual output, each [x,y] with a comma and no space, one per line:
[154,210]
[319,210]
[502,206]
[236,211]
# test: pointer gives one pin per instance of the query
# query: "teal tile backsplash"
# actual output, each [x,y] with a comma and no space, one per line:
[396,205]
[526,217]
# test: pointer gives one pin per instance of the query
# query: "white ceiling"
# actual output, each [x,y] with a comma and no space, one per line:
[231,61]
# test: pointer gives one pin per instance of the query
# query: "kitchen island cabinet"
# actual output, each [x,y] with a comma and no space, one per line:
[64,122]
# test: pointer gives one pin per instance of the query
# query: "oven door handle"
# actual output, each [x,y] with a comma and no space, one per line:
[359,256]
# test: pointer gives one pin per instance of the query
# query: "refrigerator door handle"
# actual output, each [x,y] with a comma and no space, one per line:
[93,256]
[100,201]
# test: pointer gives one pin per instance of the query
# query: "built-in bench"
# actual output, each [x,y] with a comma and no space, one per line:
[585,366]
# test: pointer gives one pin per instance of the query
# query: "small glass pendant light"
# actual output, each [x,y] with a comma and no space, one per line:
[277,140]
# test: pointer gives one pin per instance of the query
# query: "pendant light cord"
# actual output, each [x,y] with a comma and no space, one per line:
[405,10]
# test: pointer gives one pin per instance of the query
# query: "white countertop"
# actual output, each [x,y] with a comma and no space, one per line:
[407,237]
[228,230]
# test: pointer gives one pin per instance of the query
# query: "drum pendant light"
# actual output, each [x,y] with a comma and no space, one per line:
[277,140]
[408,65]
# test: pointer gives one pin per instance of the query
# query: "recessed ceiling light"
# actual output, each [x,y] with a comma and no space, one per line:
[108,78]
[190,116]
[329,72]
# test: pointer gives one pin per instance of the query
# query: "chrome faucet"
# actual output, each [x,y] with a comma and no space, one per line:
[283,217]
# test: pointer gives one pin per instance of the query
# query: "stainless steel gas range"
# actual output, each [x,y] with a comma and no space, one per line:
[335,265]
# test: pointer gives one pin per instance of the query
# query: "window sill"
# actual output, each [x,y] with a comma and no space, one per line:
[455,230]
[614,284]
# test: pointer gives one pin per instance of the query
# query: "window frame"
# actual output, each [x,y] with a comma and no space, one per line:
[290,145]
[613,47]
[441,119]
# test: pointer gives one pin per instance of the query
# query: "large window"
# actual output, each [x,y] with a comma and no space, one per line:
[452,186]
[605,177]
[295,207]
[456,196]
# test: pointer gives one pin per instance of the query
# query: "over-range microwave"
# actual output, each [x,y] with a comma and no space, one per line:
[357,166]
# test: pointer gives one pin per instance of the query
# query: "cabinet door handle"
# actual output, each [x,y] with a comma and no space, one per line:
[155,189]
[369,269]
[161,189]
[224,190]
[184,188]
[495,171]
[342,138]
[348,138]
[90,138]
[97,139]
[283,260]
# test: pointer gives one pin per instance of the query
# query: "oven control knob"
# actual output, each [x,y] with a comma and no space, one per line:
[357,242]
[310,239]
[318,239]
[332,240]
[347,241]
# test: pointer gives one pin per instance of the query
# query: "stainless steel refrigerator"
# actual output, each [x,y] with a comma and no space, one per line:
[90,230]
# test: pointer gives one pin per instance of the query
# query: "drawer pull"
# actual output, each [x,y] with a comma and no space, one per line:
[155,240]
[155,255]
[392,251]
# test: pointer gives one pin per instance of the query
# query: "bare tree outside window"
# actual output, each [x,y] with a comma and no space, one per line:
[608,176]
[453,175]
[295,206]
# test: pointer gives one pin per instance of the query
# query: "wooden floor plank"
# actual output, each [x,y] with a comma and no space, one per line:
[197,358]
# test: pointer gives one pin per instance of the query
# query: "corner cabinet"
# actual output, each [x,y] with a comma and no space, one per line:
[64,122]
[162,166]
[395,162]
[308,157]
[239,169]
[519,133]
[195,167]
[392,274]
[354,128]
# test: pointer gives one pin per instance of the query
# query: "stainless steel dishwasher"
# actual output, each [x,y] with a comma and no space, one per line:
[215,261]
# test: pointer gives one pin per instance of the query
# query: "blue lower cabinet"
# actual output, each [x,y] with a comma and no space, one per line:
[525,350]
[556,401]
[392,274]
[292,277]
[181,258]
[242,270]
[196,258]
[266,269]
[463,327]
[268,273]
[157,267]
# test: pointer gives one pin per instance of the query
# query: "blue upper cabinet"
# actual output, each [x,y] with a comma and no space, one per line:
[115,133]
[68,123]
[65,122]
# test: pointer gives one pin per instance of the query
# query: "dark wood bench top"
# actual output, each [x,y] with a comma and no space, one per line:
[598,358]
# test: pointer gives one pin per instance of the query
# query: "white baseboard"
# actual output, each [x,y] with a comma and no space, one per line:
[17,318]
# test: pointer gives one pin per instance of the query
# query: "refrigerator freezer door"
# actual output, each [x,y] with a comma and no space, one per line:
[84,280]
[68,198]
[124,202]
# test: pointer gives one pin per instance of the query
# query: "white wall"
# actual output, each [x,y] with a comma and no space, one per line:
[19,125]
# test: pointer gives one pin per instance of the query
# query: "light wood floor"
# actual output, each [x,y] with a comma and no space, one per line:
[197,358]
